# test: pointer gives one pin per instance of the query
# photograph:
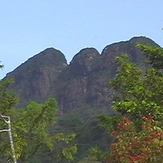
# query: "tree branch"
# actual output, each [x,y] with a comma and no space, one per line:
[4,130]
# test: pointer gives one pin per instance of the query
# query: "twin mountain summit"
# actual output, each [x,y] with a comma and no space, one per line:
[83,82]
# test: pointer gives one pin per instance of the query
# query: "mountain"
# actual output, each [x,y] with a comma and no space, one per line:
[85,81]
[34,78]
[81,88]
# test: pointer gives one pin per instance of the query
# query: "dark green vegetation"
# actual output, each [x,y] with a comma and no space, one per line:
[83,91]
[139,99]
[33,141]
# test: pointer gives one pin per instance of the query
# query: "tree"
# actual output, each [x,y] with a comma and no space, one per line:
[155,55]
[7,101]
[7,120]
[138,97]
[138,93]
[33,134]
[133,145]
[31,128]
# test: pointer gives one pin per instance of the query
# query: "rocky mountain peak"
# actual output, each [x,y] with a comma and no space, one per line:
[84,61]
[114,50]
[126,46]
[142,40]
[85,81]
[48,57]
[34,78]
[85,54]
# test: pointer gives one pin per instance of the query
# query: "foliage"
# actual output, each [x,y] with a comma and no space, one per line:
[139,93]
[89,132]
[155,55]
[98,155]
[138,96]
[141,146]
[8,101]
[87,160]
[1,66]
[110,122]
[31,130]
[65,153]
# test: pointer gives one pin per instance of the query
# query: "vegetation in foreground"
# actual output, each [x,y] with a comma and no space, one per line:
[137,131]
[138,97]
[33,141]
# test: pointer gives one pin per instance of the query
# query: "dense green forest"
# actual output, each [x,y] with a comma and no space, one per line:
[132,134]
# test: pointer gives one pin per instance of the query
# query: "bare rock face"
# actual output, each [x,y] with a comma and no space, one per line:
[84,62]
[73,83]
[85,81]
[112,51]
[34,78]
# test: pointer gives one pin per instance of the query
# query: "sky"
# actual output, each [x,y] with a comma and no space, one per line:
[28,27]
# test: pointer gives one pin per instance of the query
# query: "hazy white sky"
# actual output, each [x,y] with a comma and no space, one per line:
[30,26]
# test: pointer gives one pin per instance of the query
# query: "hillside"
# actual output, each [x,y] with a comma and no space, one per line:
[85,81]
[81,88]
